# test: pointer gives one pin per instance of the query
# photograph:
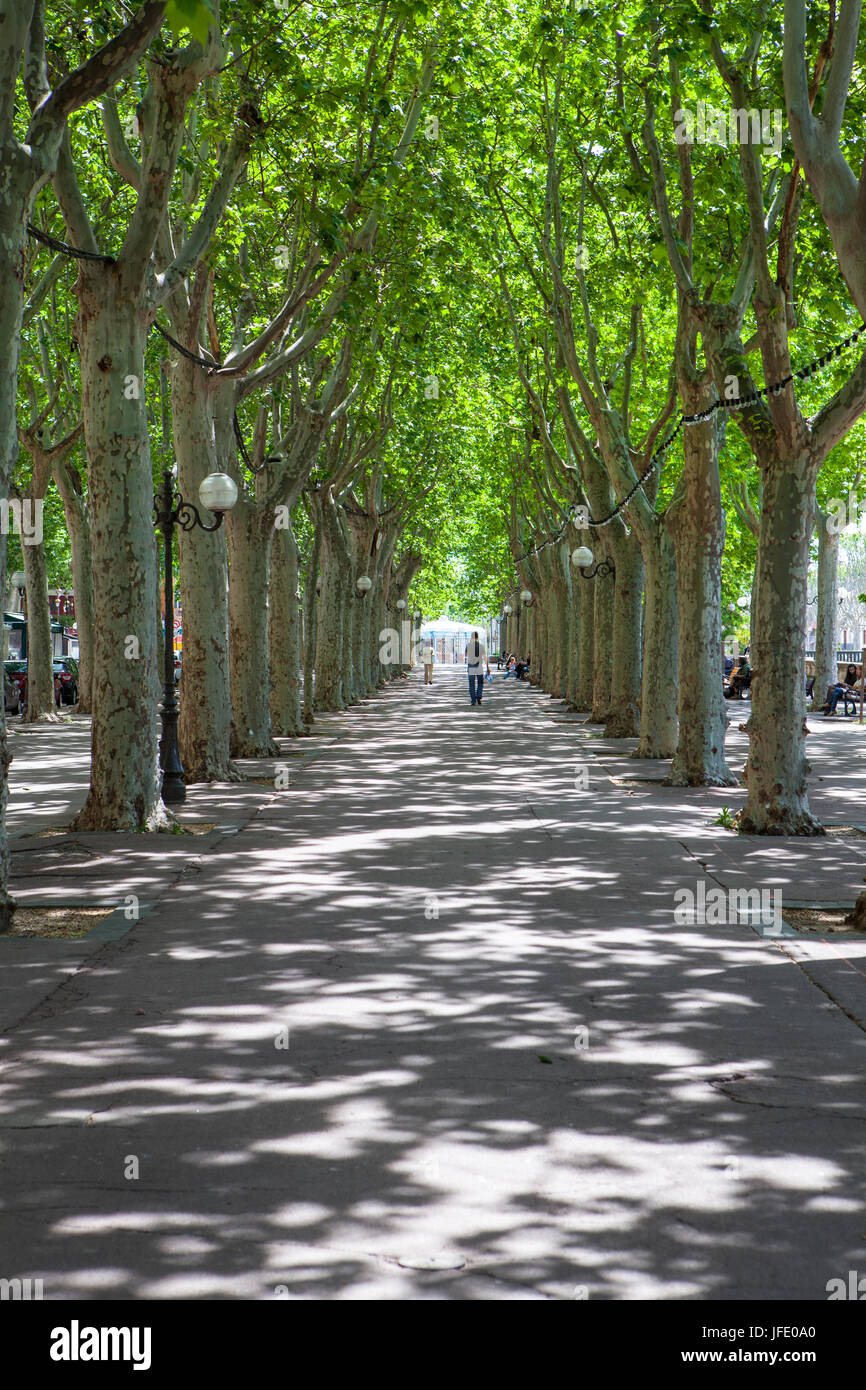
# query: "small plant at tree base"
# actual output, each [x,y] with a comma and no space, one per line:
[726,818]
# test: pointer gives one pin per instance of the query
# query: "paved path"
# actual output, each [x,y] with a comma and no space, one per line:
[508,1072]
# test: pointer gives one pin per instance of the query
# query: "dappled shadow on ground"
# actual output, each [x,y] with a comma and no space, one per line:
[432,1008]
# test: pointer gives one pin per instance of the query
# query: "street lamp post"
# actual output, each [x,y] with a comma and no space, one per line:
[581,558]
[218,494]
[507,611]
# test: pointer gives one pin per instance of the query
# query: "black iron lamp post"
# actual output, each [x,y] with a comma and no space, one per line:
[582,558]
[505,645]
[218,494]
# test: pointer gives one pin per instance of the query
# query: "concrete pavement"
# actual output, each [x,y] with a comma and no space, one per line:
[425,1027]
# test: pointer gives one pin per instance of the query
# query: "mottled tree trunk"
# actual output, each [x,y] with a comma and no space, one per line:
[311,622]
[374,617]
[777,803]
[545,620]
[129,796]
[658,713]
[205,723]
[41,706]
[333,651]
[124,774]
[78,527]
[250,531]
[602,651]
[698,526]
[284,634]
[572,638]
[826,673]
[358,616]
[559,620]
[18,187]
[361,612]
[623,720]
[624,709]
[546,600]
[584,593]
[753,600]
[387,621]
[538,639]
[534,642]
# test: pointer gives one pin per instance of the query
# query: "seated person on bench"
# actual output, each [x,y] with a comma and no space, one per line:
[853,680]
[741,678]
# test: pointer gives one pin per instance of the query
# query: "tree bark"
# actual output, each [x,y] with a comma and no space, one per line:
[658,714]
[585,597]
[826,673]
[572,639]
[623,720]
[602,653]
[698,525]
[78,527]
[777,803]
[125,784]
[284,635]
[311,618]
[250,531]
[41,705]
[205,722]
[333,652]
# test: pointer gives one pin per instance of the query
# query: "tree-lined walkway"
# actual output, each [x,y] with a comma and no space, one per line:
[431,1008]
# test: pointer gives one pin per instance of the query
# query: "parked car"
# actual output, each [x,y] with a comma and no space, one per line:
[66,671]
[11,695]
[65,679]
[17,673]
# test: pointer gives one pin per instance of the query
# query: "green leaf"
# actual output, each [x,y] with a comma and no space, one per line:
[194,15]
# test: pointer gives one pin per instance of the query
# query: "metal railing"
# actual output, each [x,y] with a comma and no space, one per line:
[853,655]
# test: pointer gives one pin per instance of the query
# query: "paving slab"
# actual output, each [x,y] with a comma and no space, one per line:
[427,1028]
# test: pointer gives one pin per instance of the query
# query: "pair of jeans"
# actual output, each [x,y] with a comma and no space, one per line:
[834,697]
[476,687]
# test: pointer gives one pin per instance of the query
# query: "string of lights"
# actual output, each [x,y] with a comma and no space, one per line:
[65,249]
[735,403]
[212,366]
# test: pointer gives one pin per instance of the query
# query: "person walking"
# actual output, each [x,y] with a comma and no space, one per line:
[475,657]
[428,656]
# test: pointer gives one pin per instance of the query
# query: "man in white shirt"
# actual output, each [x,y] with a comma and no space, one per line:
[475,657]
[428,656]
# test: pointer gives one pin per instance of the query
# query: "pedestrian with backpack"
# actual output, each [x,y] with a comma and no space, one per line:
[475,657]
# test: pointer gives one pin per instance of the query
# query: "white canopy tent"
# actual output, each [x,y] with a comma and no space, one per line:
[449,637]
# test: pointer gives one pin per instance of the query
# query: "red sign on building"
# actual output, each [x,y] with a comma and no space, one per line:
[62,605]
